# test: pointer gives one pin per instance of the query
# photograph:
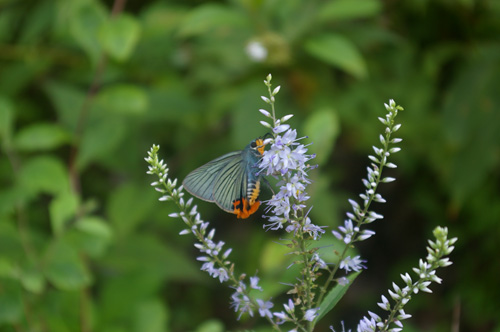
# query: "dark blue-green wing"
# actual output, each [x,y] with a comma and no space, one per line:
[202,181]
[231,184]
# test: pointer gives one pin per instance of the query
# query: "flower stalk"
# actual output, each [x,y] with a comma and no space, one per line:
[287,160]
[426,274]
[360,216]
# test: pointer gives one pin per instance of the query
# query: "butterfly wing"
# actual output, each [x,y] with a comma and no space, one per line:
[230,181]
[231,184]
[202,181]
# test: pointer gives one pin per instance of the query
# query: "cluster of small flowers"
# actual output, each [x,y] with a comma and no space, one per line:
[215,265]
[288,315]
[241,301]
[286,158]
[351,231]
[426,273]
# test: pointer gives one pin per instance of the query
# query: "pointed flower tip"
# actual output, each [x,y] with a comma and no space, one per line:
[265,124]
[265,113]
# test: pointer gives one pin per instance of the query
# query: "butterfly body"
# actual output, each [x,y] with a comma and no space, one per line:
[231,181]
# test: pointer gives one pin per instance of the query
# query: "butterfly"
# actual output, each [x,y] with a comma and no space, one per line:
[232,181]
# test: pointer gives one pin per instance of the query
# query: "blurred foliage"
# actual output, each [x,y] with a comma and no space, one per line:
[87,86]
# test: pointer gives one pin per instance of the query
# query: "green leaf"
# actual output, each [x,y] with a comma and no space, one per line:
[38,22]
[6,119]
[203,19]
[11,248]
[128,206]
[94,235]
[273,258]
[41,136]
[64,268]
[67,100]
[323,198]
[7,268]
[11,305]
[334,296]
[128,254]
[32,279]
[212,325]
[44,174]
[62,311]
[338,51]
[171,101]
[244,124]
[150,315]
[349,9]
[119,36]
[84,26]
[10,198]
[323,128]
[100,138]
[18,75]
[62,209]
[472,131]
[96,226]
[123,98]
[145,261]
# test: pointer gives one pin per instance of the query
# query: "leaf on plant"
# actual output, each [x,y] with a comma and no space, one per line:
[323,126]
[7,268]
[100,137]
[94,235]
[11,304]
[84,26]
[124,216]
[349,10]
[123,98]
[64,268]
[472,130]
[273,258]
[150,315]
[205,18]
[62,209]
[44,174]
[6,118]
[41,136]
[339,52]
[119,36]
[32,279]
[334,296]
[67,100]
[211,325]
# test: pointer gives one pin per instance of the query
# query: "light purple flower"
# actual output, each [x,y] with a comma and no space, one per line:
[264,308]
[352,264]
[241,302]
[318,262]
[254,283]
[311,314]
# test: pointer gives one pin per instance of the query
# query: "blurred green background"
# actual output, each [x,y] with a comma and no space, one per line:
[87,86]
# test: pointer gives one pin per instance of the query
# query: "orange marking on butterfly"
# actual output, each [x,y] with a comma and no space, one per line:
[260,145]
[244,207]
